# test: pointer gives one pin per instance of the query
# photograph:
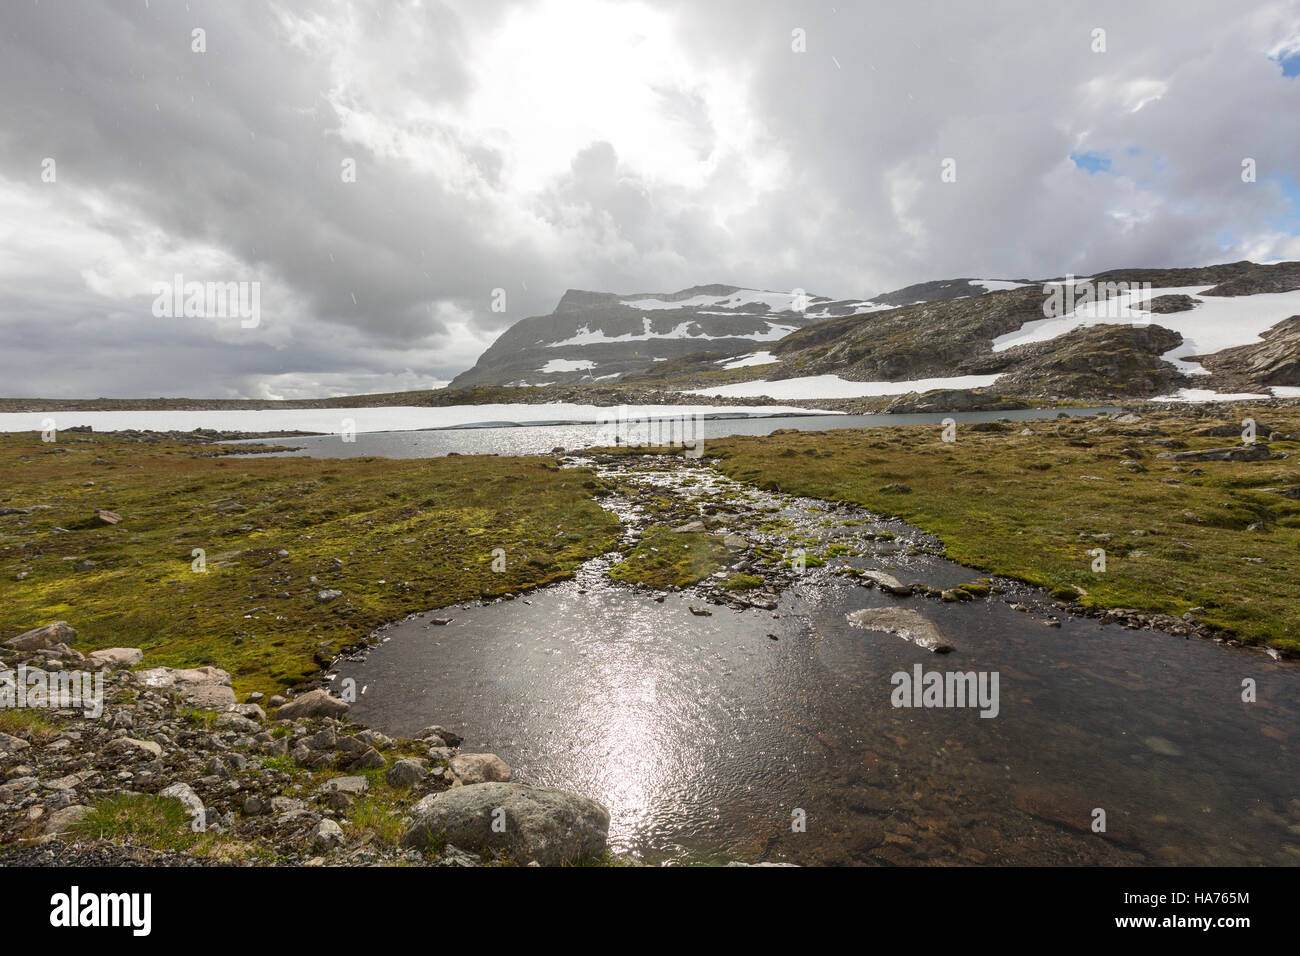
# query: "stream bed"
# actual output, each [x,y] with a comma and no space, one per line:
[766,730]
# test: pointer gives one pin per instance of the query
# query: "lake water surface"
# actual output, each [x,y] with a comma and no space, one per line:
[485,439]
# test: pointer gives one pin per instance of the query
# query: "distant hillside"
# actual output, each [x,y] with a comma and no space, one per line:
[602,337]
[1229,327]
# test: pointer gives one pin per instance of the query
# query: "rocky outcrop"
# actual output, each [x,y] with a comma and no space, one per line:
[227,775]
[1165,304]
[1257,451]
[513,821]
[206,687]
[952,400]
[1274,361]
[1279,277]
[115,658]
[1099,361]
[45,636]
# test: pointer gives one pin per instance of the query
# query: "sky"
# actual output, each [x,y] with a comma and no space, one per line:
[389,185]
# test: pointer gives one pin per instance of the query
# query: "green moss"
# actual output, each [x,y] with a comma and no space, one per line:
[408,535]
[143,819]
[742,582]
[29,724]
[378,818]
[664,558]
[1039,526]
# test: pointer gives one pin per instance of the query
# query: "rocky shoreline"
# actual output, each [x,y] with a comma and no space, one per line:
[280,789]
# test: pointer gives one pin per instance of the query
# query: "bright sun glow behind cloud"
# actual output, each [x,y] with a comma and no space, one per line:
[622,78]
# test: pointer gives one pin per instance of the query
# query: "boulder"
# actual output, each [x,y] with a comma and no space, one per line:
[1254,452]
[406,772]
[887,583]
[11,744]
[205,687]
[115,658]
[61,821]
[131,748]
[479,768]
[316,703]
[47,635]
[448,738]
[353,785]
[326,836]
[551,827]
[904,622]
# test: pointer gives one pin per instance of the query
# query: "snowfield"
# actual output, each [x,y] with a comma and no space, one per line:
[1208,395]
[753,358]
[832,386]
[776,301]
[403,418]
[567,365]
[586,336]
[1219,322]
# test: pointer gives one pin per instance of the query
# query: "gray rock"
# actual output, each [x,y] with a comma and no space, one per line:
[406,772]
[479,768]
[316,703]
[552,827]
[188,798]
[323,740]
[329,594]
[131,748]
[887,583]
[283,805]
[353,785]
[352,745]
[372,759]
[205,687]
[11,744]
[61,821]
[904,622]
[326,836]
[115,658]
[1256,452]
[238,722]
[47,635]
[447,738]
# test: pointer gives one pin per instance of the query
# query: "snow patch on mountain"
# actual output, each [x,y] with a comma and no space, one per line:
[682,330]
[744,361]
[566,365]
[832,386]
[1215,323]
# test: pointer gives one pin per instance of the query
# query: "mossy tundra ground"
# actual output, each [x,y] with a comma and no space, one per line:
[1219,536]
[394,537]
[1215,538]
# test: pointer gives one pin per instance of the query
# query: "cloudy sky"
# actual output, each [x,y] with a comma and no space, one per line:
[381,169]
